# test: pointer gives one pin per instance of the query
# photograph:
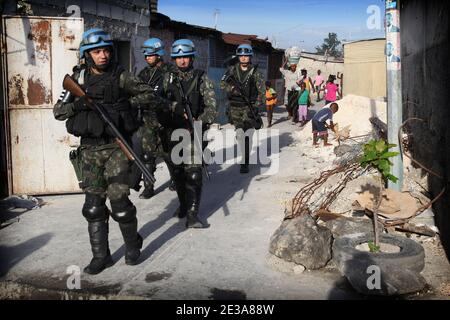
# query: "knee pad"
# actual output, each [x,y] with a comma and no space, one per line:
[121,178]
[194,177]
[178,172]
[94,208]
[123,210]
[148,157]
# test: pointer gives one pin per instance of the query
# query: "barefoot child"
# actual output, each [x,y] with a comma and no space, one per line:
[319,124]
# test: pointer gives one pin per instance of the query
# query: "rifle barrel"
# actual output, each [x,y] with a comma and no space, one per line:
[188,110]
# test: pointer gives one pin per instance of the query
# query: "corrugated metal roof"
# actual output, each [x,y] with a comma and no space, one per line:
[236,39]
[356,41]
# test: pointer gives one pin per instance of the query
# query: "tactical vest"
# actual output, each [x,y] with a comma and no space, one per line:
[152,76]
[191,89]
[248,85]
[105,90]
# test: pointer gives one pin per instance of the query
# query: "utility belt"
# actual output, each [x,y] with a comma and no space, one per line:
[90,141]
[239,104]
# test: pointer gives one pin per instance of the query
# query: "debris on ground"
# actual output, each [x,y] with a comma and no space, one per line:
[302,241]
[21,202]
[394,205]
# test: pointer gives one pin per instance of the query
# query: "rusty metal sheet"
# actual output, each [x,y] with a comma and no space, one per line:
[26,151]
[58,173]
[66,38]
[39,52]
[28,44]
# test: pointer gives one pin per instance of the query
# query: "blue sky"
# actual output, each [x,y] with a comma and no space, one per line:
[284,22]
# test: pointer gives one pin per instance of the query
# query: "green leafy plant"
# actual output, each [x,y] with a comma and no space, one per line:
[376,155]
[373,247]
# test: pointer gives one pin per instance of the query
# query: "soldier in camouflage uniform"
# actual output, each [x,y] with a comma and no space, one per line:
[151,131]
[104,167]
[252,85]
[199,90]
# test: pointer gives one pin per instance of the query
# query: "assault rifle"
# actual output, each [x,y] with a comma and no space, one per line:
[237,85]
[188,108]
[74,88]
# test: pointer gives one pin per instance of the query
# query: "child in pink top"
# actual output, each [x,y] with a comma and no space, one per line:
[331,88]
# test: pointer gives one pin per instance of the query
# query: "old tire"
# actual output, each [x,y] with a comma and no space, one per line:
[400,272]
[411,255]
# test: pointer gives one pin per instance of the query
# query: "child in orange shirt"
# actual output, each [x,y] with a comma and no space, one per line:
[271,101]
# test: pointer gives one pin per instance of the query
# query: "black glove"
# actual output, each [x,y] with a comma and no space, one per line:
[178,109]
[80,104]
[235,91]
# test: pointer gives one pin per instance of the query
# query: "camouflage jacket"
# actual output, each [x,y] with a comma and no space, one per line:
[206,91]
[258,78]
[139,92]
[153,76]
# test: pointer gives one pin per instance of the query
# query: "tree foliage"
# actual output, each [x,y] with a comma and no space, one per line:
[330,46]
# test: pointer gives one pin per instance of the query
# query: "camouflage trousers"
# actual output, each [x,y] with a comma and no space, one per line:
[105,171]
[150,136]
[241,117]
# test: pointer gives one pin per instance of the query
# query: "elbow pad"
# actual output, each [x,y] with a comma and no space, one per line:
[65,96]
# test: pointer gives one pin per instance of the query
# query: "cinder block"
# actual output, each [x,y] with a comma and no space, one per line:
[89,7]
[103,10]
[117,13]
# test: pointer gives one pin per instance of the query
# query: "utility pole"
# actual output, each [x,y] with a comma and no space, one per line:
[394,86]
[216,16]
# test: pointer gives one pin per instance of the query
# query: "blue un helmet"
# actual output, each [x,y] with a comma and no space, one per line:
[183,48]
[153,46]
[94,38]
[244,50]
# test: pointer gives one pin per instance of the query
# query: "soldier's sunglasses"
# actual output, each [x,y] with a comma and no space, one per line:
[244,50]
[148,50]
[183,48]
[96,38]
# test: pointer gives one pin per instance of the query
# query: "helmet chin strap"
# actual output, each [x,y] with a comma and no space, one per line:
[154,64]
[185,69]
[245,63]
[189,67]
[103,67]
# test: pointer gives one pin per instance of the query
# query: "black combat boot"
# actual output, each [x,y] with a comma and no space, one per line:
[98,235]
[133,241]
[172,186]
[193,196]
[180,213]
[245,167]
[180,187]
[148,190]
[150,164]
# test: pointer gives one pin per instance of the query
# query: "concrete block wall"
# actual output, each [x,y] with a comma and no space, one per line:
[123,22]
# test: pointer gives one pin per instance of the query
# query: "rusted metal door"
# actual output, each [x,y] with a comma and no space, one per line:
[37,53]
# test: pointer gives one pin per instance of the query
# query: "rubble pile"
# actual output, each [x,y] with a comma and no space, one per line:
[354,113]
